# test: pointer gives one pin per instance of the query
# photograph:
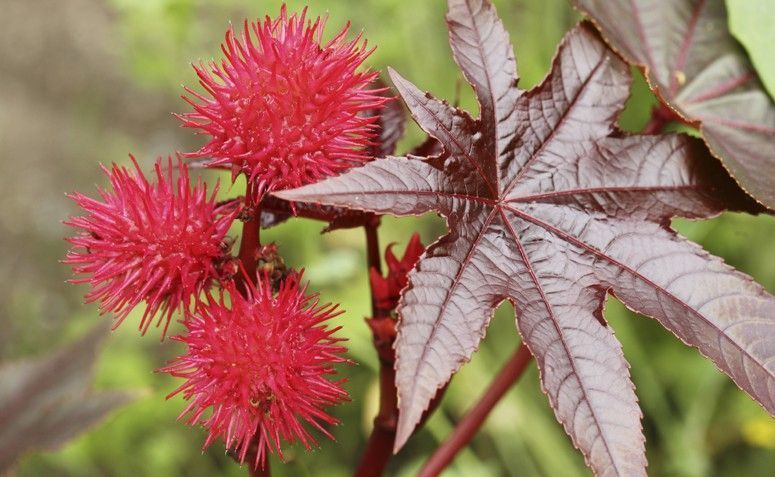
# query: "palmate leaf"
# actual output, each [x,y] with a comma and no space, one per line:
[695,65]
[550,206]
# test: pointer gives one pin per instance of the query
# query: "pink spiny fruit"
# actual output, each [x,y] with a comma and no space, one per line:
[260,365]
[284,107]
[161,243]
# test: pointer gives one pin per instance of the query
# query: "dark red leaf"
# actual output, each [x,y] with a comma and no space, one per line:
[429,147]
[698,69]
[46,401]
[549,205]
[390,126]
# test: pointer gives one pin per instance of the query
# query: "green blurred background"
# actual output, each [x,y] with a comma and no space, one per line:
[87,81]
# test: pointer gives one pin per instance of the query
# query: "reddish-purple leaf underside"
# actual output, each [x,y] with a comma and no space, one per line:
[46,401]
[698,69]
[550,206]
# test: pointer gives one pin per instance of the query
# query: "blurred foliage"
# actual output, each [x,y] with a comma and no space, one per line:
[46,402]
[751,23]
[138,53]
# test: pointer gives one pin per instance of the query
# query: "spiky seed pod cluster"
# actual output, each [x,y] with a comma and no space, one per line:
[161,243]
[260,362]
[284,107]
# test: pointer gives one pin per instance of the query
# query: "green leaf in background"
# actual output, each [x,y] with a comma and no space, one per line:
[154,34]
[751,22]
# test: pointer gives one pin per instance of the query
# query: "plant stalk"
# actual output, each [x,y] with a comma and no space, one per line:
[373,260]
[250,245]
[379,447]
[473,420]
[661,116]
[249,248]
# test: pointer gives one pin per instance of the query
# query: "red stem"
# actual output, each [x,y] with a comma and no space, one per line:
[661,116]
[379,448]
[249,244]
[473,420]
[373,260]
[655,125]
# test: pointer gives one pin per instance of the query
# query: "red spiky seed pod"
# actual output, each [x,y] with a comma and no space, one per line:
[284,107]
[162,243]
[387,289]
[260,365]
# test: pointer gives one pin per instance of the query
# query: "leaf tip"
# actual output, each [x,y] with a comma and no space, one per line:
[403,431]
[395,77]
